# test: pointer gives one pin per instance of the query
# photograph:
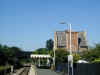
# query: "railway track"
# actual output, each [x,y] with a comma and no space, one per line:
[25,71]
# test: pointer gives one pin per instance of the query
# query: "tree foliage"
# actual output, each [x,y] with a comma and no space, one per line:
[61,56]
[41,51]
[92,54]
[11,55]
[76,57]
[97,60]
[49,44]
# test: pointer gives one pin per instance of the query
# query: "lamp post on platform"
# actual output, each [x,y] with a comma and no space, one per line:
[54,57]
[70,56]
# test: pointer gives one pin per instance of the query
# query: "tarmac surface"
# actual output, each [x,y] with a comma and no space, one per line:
[46,72]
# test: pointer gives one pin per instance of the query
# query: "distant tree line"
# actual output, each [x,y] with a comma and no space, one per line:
[92,55]
[12,56]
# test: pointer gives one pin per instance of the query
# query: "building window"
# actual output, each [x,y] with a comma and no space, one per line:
[61,46]
[83,46]
[79,41]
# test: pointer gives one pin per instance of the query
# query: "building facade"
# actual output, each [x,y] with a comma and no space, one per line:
[78,40]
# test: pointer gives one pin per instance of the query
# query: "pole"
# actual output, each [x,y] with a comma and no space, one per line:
[54,57]
[39,62]
[70,41]
[70,57]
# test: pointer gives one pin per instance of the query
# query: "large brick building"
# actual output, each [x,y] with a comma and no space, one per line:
[79,40]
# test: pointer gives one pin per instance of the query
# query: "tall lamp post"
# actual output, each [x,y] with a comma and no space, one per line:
[70,57]
[54,58]
[54,54]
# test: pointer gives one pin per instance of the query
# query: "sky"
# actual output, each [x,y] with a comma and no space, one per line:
[27,24]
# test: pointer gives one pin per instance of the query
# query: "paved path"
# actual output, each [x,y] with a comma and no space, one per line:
[22,71]
[32,70]
[46,72]
[17,72]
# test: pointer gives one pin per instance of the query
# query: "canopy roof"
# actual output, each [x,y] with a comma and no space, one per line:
[82,61]
[40,56]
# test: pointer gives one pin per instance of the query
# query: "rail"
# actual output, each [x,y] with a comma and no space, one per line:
[25,71]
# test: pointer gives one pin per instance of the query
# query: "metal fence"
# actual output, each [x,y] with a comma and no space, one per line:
[81,69]
[86,69]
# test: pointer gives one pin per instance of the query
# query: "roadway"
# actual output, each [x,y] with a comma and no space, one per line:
[46,72]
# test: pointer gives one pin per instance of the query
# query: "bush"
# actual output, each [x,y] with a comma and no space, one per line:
[96,60]
[76,57]
[61,56]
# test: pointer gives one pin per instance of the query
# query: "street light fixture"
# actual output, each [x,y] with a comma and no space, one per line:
[70,57]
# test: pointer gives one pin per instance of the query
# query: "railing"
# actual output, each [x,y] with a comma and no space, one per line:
[80,69]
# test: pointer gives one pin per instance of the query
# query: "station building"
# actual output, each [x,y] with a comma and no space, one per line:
[79,40]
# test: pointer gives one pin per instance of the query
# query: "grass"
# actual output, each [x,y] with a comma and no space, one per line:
[4,67]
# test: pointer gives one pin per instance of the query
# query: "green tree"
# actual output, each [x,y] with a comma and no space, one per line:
[97,60]
[11,55]
[76,57]
[41,51]
[49,44]
[92,54]
[15,51]
[61,56]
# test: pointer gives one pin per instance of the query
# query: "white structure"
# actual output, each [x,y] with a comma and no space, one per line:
[38,58]
[82,61]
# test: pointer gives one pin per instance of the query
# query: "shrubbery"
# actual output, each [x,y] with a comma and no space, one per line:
[11,56]
[92,55]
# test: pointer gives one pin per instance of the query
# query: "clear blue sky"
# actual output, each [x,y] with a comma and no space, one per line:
[29,23]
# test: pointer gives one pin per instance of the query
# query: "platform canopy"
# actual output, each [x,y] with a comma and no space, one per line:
[82,61]
[39,56]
